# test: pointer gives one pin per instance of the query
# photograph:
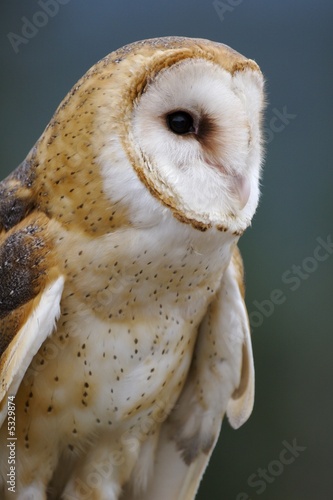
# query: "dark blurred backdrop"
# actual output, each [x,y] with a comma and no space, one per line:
[292,329]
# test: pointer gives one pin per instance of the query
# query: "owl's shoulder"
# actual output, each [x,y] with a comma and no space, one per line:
[16,196]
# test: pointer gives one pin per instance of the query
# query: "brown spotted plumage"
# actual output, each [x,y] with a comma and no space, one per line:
[123,330]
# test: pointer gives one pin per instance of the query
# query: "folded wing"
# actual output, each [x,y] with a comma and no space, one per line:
[30,292]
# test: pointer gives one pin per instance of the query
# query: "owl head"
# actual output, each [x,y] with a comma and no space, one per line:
[170,125]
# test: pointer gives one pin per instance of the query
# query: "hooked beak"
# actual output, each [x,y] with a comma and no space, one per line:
[239,185]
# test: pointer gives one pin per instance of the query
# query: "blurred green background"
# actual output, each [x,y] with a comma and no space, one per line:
[293,342]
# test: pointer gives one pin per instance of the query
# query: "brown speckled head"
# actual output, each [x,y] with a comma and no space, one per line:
[63,178]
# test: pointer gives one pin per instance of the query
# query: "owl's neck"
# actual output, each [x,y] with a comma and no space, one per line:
[168,260]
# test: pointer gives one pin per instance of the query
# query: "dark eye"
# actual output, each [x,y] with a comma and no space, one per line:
[180,122]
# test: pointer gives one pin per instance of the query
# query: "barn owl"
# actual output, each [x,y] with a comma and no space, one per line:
[124,333]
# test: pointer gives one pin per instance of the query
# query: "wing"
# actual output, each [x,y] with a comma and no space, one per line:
[30,292]
[221,380]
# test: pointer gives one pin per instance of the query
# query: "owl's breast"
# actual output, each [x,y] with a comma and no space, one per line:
[123,345]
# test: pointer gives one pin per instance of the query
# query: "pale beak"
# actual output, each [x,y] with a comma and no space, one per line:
[240,186]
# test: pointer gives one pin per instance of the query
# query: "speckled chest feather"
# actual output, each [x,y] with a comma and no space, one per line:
[129,316]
